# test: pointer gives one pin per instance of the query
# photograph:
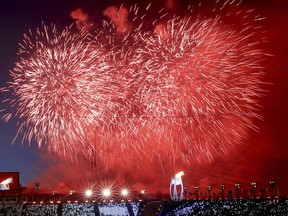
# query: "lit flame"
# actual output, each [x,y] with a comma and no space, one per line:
[178,175]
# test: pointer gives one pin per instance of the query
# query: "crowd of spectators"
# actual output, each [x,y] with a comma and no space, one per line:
[135,207]
[237,207]
[37,209]
[111,209]
[6,210]
[79,209]
[232,207]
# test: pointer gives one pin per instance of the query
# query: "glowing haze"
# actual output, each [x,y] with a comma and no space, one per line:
[184,92]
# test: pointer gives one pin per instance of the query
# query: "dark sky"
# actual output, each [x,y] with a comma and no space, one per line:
[262,157]
[17,17]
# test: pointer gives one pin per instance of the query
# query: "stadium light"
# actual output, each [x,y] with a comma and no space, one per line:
[209,191]
[272,185]
[253,184]
[88,193]
[106,192]
[124,192]
[37,185]
[222,186]
[185,192]
[196,189]
[237,186]
[143,191]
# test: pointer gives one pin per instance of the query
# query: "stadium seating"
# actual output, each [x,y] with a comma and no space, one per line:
[237,207]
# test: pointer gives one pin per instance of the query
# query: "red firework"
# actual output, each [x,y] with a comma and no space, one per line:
[187,92]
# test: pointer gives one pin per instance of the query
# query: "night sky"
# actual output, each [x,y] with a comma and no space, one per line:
[262,157]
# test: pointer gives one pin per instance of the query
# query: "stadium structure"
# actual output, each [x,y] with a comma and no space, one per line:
[17,200]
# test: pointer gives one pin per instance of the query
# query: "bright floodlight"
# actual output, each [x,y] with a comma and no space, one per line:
[106,192]
[124,192]
[88,193]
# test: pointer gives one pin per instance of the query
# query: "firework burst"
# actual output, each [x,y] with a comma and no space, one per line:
[201,83]
[186,91]
[64,87]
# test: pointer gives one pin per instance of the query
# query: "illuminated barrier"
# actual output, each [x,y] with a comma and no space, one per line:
[176,180]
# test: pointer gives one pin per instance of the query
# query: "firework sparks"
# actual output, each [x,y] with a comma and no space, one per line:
[187,91]
[64,87]
[201,82]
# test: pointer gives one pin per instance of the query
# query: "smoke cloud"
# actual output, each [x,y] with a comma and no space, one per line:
[82,18]
[119,17]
